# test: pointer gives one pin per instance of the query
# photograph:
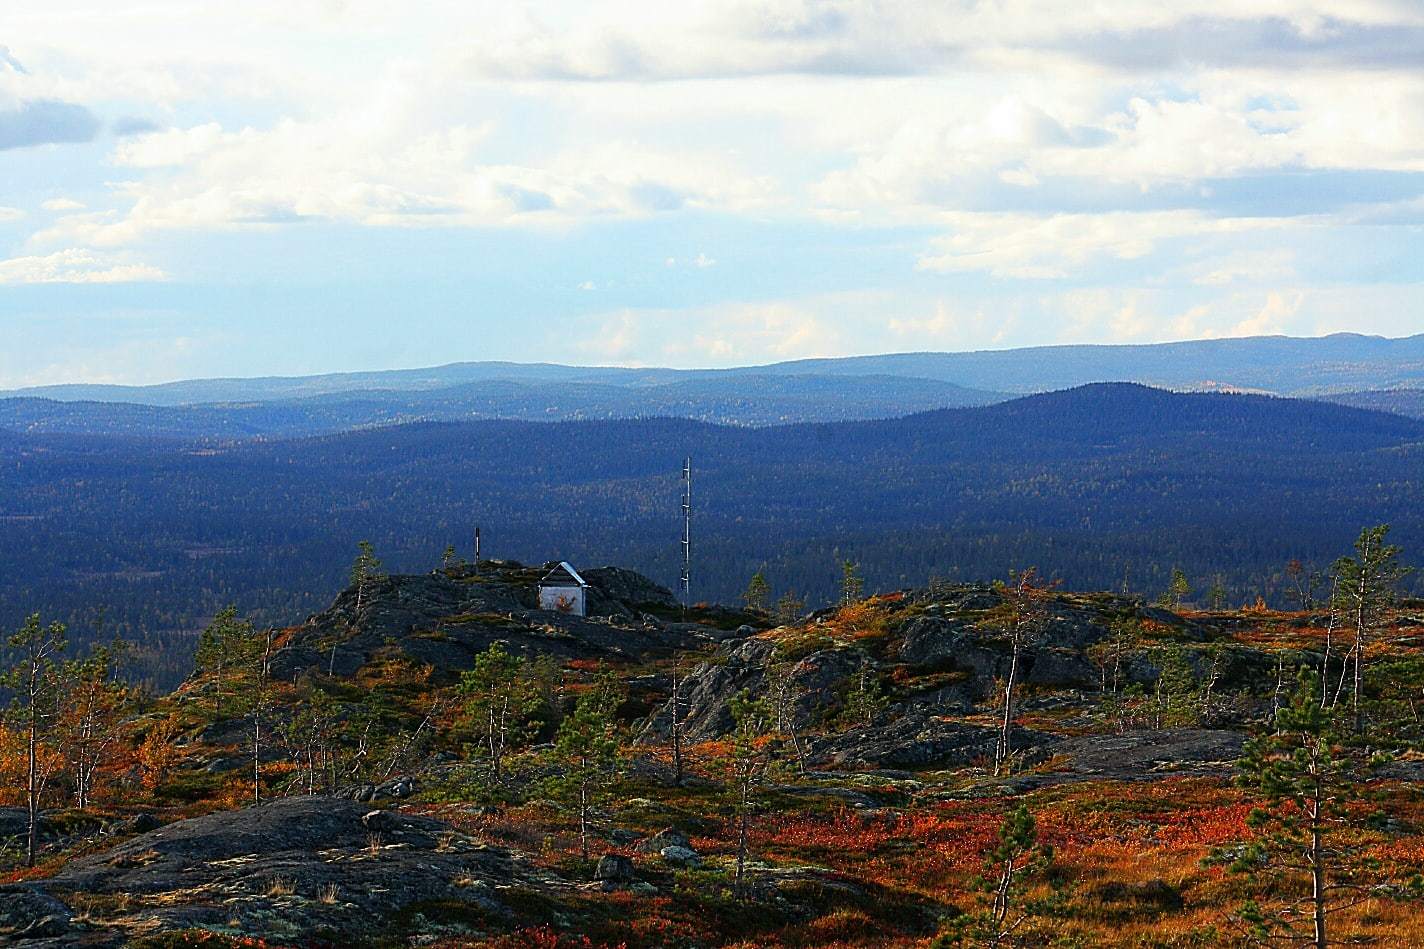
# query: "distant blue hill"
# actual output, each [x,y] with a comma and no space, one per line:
[812,390]
[733,400]
[1278,364]
[1404,401]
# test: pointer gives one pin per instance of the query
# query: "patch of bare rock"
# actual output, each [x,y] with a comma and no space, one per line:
[319,868]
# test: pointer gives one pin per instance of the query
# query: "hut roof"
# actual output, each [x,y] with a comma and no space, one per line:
[564,575]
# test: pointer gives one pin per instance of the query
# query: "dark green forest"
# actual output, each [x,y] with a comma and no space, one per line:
[1105,486]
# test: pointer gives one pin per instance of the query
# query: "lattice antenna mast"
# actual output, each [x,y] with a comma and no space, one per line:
[686,533]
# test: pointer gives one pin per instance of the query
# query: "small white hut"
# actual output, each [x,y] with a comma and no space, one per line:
[563,590]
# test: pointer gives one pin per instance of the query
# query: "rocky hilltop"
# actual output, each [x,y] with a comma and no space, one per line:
[938,668]
[445,618]
[384,822]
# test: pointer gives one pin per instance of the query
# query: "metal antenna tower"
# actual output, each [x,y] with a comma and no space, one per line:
[686,533]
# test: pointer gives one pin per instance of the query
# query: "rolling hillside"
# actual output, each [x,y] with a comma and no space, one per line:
[732,400]
[1402,401]
[1101,486]
[1278,364]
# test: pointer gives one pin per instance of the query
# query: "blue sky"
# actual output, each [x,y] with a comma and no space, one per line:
[315,186]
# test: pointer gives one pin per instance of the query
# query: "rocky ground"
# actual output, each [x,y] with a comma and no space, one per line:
[873,814]
[302,869]
[447,617]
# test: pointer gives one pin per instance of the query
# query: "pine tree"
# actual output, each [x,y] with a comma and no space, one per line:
[1174,693]
[1178,589]
[1306,775]
[94,705]
[1020,620]
[867,699]
[748,761]
[34,680]
[789,608]
[587,752]
[224,649]
[366,572]
[1365,586]
[1217,594]
[757,593]
[1017,861]
[852,583]
[500,695]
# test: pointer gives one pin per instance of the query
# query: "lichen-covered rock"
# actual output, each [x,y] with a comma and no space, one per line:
[915,741]
[1146,753]
[668,837]
[27,913]
[815,683]
[314,868]
[614,871]
[684,858]
[617,590]
[15,825]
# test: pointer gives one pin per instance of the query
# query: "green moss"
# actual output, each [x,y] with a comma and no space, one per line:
[478,619]
[188,939]
[189,787]
[446,914]
[794,648]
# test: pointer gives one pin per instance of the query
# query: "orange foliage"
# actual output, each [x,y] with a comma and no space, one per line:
[157,754]
[546,937]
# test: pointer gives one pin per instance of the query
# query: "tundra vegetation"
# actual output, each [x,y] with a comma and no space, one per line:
[995,764]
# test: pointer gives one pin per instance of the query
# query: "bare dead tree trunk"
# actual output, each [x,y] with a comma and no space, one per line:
[259,709]
[1329,645]
[1318,882]
[1001,755]
[677,722]
[32,787]
[744,798]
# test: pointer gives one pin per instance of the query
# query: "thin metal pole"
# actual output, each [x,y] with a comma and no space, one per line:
[687,533]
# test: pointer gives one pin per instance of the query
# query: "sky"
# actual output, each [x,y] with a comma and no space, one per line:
[200,189]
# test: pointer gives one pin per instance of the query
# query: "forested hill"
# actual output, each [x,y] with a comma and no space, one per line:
[1283,365]
[810,390]
[1280,364]
[737,400]
[1097,485]
[1400,401]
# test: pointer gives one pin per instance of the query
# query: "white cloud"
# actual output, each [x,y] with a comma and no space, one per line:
[75,266]
[1254,267]
[62,204]
[10,214]
[727,334]
[1055,246]
[1038,140]
[343,169]
[902,110]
